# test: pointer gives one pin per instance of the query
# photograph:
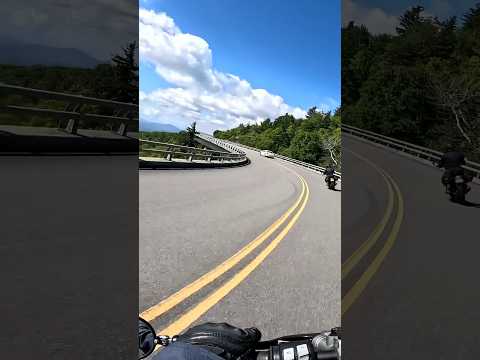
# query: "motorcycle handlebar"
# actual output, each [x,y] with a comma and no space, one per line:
[265,355]
[322,346]
[324,356]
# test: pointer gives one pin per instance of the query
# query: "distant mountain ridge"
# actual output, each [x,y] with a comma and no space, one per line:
[24,54]
[154,126]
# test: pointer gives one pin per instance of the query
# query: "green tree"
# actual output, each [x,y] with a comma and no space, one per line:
[125,67]
[190,133]
[420,85]
[411,19]
[303,139]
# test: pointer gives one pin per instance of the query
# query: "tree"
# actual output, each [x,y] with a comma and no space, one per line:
[311,112]
[332,145]
[410,19]
[126,75]
[420,85]
[457,93]
[301,139]
[471,20]
[191,131]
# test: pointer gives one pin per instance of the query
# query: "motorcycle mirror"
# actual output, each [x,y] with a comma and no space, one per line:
[147,339]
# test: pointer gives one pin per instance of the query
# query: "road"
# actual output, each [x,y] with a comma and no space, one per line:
[32,139]
[191,221]
[414,293]
[69,257]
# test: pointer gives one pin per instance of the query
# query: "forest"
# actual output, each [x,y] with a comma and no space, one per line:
[421,84]
[314,139]
[117,80]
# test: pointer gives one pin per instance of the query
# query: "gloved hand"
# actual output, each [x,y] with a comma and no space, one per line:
[225,340]
[146,339]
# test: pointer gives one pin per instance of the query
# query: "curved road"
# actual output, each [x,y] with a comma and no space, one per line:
[414,293]
[191,221]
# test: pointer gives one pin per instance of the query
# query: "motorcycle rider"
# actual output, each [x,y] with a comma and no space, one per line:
[452,162]
[212,341]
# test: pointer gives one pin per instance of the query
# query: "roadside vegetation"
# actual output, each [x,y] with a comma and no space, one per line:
[183,138]
[420,85]
[314,139]
[117,80]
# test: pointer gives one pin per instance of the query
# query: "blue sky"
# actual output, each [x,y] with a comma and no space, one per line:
[288,48]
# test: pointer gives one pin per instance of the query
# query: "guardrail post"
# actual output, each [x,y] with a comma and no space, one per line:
[209,157]
[72,126]
[122,130]
[190,158]
[169,154]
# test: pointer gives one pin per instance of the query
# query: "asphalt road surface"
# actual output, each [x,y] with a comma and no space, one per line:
[191,221]
[414,294]
[69,255]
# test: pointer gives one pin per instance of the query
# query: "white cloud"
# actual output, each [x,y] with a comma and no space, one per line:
[375,19]
[329,104]
[201,93]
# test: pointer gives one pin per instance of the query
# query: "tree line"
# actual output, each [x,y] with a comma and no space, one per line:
[421,84]
[314,139]
[185,137]
[116,80]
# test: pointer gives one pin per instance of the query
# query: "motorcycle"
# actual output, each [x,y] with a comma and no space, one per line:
[322,345]
[456,184]
[332,182]
[457,188]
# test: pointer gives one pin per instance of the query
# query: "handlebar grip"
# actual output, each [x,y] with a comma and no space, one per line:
[332,355]
[263,355]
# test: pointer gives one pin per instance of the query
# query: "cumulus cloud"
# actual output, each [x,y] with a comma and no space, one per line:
[214,99]
[375,19]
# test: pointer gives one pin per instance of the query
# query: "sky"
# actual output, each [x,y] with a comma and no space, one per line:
[222,63]
[381,16]
[98,28]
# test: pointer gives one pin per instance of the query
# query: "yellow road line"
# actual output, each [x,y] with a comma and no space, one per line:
[355,258]
[353,294]
[176,298]
[195,313]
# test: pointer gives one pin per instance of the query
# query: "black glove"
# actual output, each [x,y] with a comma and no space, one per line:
[146,339]
[226,341]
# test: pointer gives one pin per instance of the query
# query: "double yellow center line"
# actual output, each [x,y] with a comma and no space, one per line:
[394,193]
[201,308]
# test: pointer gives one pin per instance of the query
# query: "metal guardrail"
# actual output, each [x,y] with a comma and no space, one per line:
[223,144]
[403,146]
[124,113]
[171,152]
[234,146]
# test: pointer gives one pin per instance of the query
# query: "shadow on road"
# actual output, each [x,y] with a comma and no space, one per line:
[466,204]
[470,204]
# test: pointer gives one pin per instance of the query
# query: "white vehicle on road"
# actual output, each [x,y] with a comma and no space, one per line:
[267,153]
